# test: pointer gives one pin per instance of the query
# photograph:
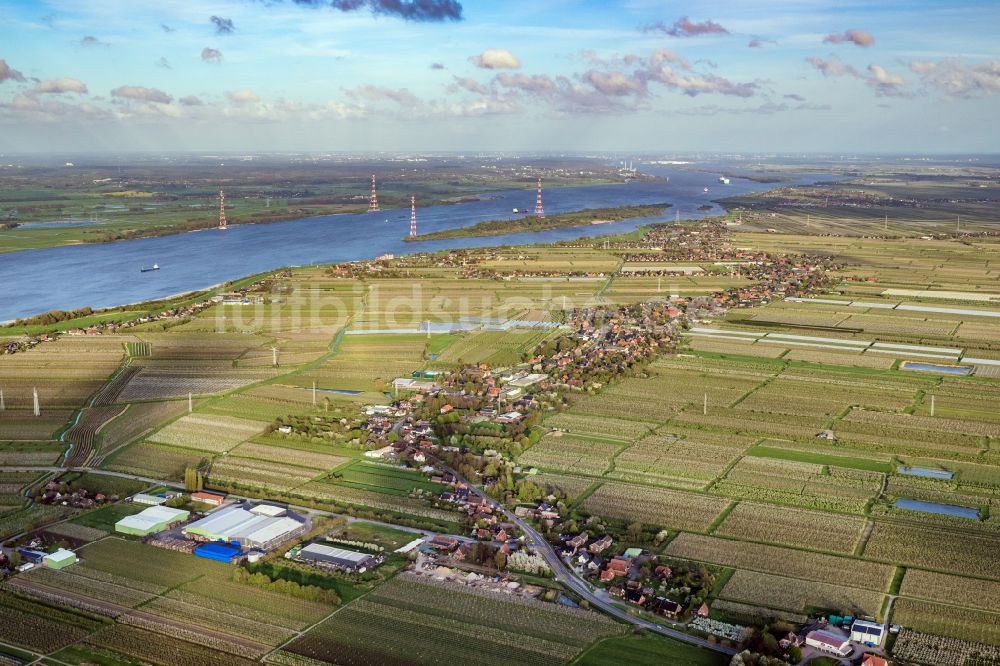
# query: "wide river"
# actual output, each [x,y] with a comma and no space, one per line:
[107,275]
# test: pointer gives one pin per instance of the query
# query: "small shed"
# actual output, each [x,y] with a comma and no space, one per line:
[149,500]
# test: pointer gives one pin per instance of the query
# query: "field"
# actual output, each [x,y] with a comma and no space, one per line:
[434,622]
[647,651]
[792,527]
[952,590]
[782,561]
[366,363]
[934,548]
[946,620]
[655,506]
[568,453]
[497,348]
[39,627]
[213,434]
[934,650]
[65,372]
[174,609]
[799,596]
[674,461]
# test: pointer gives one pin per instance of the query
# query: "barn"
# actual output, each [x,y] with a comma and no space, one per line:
[829,642]
[867,633]
[317,553]
[150,521]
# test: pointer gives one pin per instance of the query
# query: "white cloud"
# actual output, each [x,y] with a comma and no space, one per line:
[496,59]
[141,94]
[63,85]
[242,96]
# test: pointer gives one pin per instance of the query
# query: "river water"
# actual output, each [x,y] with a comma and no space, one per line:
[107,275]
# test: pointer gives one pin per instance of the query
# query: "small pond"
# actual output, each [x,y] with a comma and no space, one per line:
[934,367]
[926,472]
[940,509]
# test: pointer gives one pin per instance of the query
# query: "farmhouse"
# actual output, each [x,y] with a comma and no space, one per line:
[150,521]
[867,633]
[339,558]
[667,607]
[874,660]
[263,526]
[829,642]
[211,499]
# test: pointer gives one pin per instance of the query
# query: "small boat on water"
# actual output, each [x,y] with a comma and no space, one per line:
[154,267]
[705,190]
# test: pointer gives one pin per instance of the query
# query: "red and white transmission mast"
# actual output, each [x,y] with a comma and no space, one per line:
[373,202]
[539,211]
[413,216]
[222,209]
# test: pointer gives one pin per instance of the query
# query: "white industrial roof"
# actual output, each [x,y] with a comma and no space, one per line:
[61,555]
[226,521]
[268,510]
[273,529]
[145,498]
[152,516]
[340,553]
[236,522]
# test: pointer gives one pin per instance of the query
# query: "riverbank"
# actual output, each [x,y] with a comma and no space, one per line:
[106,275]
[530,222]
[144,215]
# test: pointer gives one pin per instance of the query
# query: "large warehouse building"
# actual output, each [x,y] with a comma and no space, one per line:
[263,526]
[317,553]
[150,521]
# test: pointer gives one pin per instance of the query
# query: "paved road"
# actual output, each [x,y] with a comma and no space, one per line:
[90,470]
[565,575]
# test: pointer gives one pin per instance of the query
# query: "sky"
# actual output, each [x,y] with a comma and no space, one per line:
[913,77]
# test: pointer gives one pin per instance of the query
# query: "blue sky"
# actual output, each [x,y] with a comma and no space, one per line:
[250,75]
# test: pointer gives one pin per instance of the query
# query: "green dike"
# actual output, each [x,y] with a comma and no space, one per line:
[652,650]
[819,459]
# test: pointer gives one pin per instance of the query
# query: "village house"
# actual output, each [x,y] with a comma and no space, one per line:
[601,544]
[666,607]
[874,660]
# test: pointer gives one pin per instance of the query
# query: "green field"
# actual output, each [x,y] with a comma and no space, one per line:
[648,651]
[106,517]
